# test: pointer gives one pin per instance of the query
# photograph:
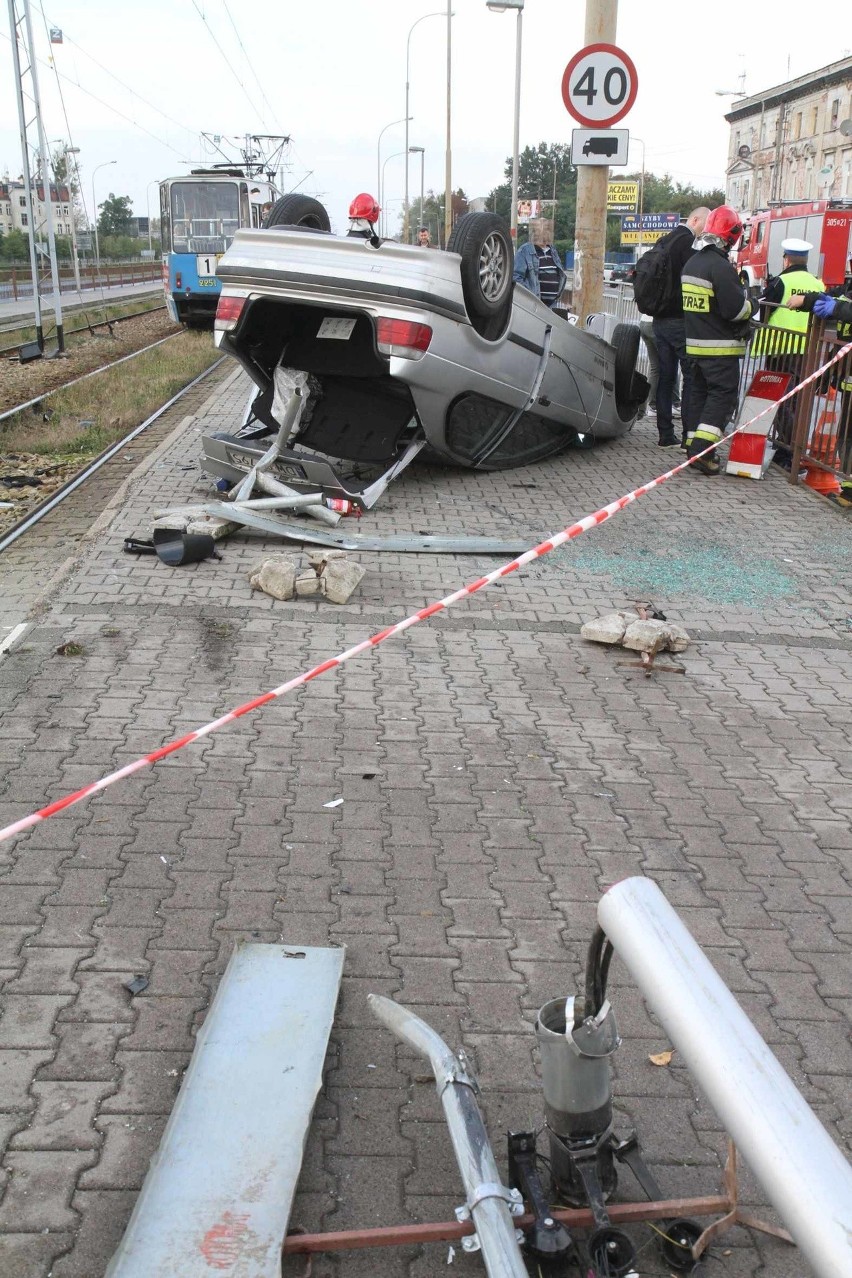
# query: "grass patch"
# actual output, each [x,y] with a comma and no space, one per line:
[87,418]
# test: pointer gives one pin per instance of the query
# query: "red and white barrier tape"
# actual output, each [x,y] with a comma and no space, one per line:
[544,548]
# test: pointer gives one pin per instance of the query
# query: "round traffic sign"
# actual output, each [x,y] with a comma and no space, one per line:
[599,85]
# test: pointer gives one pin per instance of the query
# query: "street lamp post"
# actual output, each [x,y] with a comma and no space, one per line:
[66,151]
[153,182]
[421,151]
[95,209]
[633,138]
[379,154]
[395,156]
[500,6]
[438,14]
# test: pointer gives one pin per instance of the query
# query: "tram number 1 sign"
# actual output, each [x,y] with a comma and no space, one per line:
[599,85]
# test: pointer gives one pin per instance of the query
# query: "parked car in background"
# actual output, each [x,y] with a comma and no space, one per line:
[614,272]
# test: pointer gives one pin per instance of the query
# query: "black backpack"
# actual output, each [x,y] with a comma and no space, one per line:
[655,287]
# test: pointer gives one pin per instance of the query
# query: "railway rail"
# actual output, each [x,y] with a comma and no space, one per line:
[44,508]
[70,332]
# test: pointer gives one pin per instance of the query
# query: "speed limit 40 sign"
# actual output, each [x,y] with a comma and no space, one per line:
[599,85]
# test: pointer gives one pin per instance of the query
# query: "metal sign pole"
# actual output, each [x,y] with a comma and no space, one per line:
[15,22]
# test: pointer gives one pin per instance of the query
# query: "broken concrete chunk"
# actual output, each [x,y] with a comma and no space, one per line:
[339,579]
[316,558]
[307,583]
[678,640]
[646,636]
[192,519]
[608,629]
[276,576]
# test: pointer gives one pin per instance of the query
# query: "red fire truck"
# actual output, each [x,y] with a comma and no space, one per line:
[826,225]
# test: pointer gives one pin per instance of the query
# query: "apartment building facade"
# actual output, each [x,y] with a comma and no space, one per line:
[793,142]
[13,208]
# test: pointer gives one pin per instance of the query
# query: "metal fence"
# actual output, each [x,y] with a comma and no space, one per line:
[16,283]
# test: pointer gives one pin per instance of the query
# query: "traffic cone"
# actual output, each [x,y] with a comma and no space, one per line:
[823,448]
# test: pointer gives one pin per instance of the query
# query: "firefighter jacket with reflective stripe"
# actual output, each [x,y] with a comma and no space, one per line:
[716,311]
[784,333]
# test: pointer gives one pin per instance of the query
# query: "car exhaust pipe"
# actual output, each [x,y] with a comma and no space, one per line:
[489,1204]
[804,1174]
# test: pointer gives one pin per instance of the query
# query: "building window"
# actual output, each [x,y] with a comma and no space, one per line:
[814,118]
[23,219]
[22,200]
[835,113]
[797,126]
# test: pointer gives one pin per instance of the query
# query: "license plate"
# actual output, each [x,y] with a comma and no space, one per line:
[336,327]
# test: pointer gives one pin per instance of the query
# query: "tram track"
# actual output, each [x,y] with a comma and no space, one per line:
[73,332]
[36,514]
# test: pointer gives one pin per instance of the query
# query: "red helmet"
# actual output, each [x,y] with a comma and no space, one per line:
[365,206]
[724,222]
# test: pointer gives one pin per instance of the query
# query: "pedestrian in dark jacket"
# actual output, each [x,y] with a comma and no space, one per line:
[716,313]
[669,334]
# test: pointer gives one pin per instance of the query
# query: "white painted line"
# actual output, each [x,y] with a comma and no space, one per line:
[13,637]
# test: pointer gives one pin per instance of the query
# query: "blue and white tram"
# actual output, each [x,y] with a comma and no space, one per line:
[199,216]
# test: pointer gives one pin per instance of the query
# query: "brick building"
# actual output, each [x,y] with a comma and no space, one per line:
[790,142]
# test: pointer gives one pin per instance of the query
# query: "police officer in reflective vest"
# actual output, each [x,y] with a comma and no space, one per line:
[716,315]
[782,340]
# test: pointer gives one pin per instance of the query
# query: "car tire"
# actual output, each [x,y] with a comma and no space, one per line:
[485,245]
[298,210]
[625,341]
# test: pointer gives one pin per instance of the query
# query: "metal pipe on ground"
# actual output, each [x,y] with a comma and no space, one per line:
[487,1200]
[804,1174]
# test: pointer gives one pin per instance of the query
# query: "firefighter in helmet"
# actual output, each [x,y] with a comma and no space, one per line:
[716,315]
[782,339]
[363,215]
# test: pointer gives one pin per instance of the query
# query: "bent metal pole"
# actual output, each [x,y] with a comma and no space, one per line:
[804,1174]
[487,1199]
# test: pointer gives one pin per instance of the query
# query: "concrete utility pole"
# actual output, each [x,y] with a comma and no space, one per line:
[448,174]
[592,179]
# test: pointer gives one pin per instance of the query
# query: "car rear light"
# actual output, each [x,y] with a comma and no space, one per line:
[228,312]
[178,280]
[404,338]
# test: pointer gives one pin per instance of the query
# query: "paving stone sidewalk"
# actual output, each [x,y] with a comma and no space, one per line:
[497,773]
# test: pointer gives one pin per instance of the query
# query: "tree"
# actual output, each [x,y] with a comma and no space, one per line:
[15,247]
[542,171]
[432,213]
[115,216]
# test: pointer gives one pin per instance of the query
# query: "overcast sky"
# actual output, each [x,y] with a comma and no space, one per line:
[331,73]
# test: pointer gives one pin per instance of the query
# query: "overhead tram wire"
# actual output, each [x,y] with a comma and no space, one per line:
[67,38]
[134,123]
[249,61]
[227,61]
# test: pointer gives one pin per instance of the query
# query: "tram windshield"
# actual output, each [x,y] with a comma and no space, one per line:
[205,216]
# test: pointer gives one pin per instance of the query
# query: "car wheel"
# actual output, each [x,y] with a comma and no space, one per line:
[298,210]
[485,246]
[625,340]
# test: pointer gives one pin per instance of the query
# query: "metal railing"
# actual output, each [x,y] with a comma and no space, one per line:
[16,284]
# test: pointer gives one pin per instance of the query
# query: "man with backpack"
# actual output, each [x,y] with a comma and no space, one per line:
[657,292]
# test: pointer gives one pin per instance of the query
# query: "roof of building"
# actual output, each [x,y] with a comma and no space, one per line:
[790,90]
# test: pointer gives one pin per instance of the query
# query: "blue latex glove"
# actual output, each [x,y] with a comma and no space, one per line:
[824,306]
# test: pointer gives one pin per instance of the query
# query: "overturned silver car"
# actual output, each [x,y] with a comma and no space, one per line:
[400,348]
